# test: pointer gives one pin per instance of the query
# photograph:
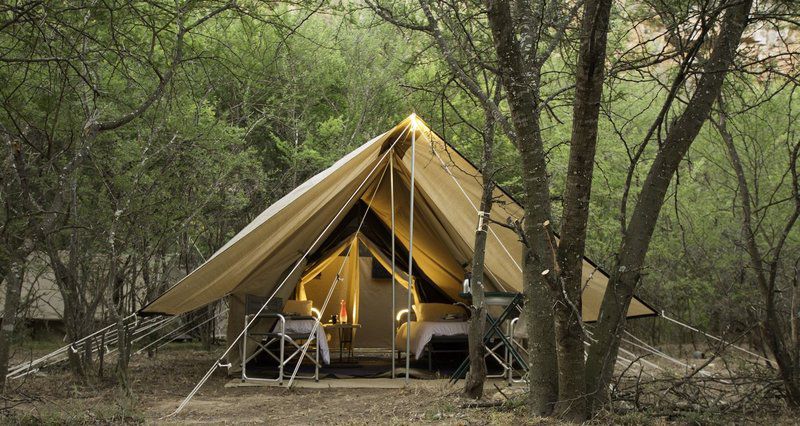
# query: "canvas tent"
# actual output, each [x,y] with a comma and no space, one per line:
[41,299]
[285,248]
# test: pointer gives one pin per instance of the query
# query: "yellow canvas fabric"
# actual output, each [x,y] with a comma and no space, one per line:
[353,282]
[316,270]
[430,248]
[316,274]
[297,307]
[452,187]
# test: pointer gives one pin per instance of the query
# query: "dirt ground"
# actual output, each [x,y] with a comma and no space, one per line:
[160,383]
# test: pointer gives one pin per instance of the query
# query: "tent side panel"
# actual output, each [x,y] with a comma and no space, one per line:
[437,166]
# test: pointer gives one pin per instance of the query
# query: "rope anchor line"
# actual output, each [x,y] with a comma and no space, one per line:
[696,330]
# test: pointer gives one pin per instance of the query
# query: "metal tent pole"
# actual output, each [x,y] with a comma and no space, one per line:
[410,245]
[394,282]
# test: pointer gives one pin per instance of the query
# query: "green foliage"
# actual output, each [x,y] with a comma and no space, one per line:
[260,102]
[265,99]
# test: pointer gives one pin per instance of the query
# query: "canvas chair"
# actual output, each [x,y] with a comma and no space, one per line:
[266,342]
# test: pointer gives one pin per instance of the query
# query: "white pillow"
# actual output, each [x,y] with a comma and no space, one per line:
[297,307]
[435,311]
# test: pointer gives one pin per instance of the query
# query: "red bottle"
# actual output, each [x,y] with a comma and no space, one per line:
[343,313]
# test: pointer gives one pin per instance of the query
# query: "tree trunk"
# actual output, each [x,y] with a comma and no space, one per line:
[207,330]
[476,377]
[123,355]
[542,361]
[636,240]
[539,259]
[539,254]
[77,322]
[589,78]
[14,279]
[101,355]
[78,312]
[116,304]
[795,313]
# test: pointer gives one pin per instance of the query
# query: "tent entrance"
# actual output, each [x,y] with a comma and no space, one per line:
[355,273]
[359,252]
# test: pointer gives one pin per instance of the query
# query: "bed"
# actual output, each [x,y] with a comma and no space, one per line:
[439,328]
[422,332]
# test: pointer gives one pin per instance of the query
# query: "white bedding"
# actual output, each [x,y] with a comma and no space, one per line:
[305,326]
[422,332]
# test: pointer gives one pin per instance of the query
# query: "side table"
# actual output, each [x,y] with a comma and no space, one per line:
[346,337]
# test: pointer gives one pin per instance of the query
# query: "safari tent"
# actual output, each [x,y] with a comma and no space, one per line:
[337,236]
[41,303]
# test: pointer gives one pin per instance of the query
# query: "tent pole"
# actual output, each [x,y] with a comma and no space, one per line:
[394,282]
[410,246]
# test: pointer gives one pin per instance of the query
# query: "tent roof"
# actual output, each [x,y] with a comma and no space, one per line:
[447,193]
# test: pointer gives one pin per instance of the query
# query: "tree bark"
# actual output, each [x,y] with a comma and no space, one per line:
[538,282]
[476,377]
[636,240]
[14,279]
[76,323]
[117,308]
[589,77]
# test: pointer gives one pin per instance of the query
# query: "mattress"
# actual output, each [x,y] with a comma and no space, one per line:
[423,331]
